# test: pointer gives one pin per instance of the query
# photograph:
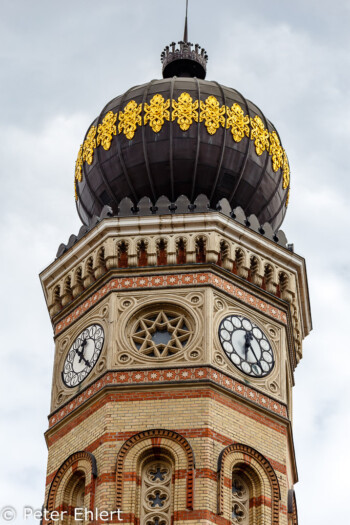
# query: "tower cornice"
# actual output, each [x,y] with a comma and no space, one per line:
[61,425]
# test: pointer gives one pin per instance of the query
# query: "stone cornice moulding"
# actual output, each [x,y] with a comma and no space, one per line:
[201,223]
[108,389]
[172,224]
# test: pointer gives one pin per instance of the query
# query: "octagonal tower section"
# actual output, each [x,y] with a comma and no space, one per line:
[177,333]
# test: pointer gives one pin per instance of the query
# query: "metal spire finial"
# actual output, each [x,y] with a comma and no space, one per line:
[186,60]
[186,30]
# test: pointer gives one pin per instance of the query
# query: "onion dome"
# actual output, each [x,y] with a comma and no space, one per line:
[183,135]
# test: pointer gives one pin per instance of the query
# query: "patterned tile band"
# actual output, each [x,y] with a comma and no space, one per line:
[184,111]
[182,375]
[166,281]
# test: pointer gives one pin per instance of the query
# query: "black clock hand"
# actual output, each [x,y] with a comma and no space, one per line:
[81,353]
[257,361]
[248,338]
[82,358]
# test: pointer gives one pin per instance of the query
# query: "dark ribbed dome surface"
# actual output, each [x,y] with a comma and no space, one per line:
[183,136]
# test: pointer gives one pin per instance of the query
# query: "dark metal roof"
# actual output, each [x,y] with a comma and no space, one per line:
[178,158]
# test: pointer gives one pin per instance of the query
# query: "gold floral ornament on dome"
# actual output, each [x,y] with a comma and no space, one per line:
[287,199]
[185,111]
[276,151]
[129,119]
[238,122]
[212,114]
[260,135]
[286,171]
[156,112]
[78,176]
[106,130]
[79,165]
[89,145]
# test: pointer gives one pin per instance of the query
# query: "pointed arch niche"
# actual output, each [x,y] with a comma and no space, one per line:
[73,486]
[155,473]
[248,490]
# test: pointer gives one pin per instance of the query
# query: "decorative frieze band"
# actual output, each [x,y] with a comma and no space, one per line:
[169,376]
[171,280]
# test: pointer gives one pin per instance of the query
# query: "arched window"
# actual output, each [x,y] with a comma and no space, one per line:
[151,459]
[223,253]
[68,490]
[240,500]
[142,256]
[89,276]
[79,494]
[254,495]
[56,302]
[162,257]
[74,499]
[122,254]
[156,492]
[200,250]
[180,251]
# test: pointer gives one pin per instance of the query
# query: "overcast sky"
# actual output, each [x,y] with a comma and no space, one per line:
[61,61]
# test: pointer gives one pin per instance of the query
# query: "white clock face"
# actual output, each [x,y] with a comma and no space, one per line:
[83,355]
[246,345]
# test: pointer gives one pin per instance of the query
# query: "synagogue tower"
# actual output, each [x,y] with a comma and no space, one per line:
[178,312]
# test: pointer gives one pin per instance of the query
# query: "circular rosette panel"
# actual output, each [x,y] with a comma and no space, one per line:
[161,331]
[158,473]
[240,501]
[157,499]
[157,519]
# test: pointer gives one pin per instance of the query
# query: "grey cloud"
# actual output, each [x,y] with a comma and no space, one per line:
[60,63]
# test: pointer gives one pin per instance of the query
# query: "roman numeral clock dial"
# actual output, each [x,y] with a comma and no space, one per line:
[83,355]
[246,345]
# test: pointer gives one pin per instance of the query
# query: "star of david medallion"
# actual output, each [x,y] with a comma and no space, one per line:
[162,333]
